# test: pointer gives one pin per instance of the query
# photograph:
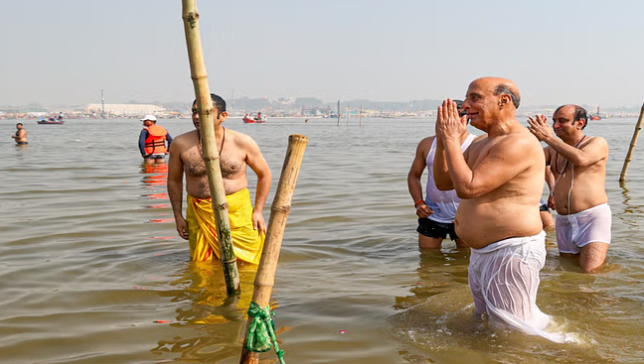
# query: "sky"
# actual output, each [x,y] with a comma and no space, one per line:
[64,52]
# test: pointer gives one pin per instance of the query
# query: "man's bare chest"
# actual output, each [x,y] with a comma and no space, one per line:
[231,164]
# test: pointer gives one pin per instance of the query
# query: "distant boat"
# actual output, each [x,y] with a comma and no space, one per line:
[50,121]
[596,116]
[256,120]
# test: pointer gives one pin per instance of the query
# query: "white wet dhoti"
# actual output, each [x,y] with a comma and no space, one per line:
[577,230]
[504,279]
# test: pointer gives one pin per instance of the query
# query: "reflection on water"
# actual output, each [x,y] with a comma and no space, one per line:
[203,303]
[93,271]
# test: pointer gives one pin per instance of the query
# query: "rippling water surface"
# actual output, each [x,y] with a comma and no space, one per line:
[92,269]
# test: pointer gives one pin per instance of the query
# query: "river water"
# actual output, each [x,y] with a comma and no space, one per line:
[93,271]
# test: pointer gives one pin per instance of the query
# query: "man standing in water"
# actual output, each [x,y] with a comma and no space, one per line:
[584,218]
[435,212]
[236,151]
[21,135]
[500,181]
[152,141]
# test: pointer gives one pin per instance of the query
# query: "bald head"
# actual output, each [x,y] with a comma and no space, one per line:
[500,86]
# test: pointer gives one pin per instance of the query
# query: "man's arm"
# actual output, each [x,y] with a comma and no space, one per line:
[417,169]
[413,177]
[587,154]
[449,128]
[175,189]
[550,178]
[142,137]
[168,137]
[257,163]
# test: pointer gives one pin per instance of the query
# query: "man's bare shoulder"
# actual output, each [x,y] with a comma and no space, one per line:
[189,137]
[478,140]
[523,138]
[596,142]
[426,143]
[240,139]
[517,145]
[184,141]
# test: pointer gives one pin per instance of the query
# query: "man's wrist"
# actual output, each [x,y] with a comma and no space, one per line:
[450,140]
[418,203]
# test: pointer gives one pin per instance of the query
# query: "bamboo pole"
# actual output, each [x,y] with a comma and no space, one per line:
[338,112]
[209,145]
[636,134]
[360,120]
[280,209]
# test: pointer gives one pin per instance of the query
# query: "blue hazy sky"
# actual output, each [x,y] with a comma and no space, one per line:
[58,52]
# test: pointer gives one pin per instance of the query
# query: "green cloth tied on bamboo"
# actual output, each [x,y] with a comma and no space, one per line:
[261,331]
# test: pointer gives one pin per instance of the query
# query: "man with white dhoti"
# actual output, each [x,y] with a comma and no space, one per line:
[499,179]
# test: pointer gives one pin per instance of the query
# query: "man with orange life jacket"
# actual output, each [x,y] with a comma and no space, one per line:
[152,141]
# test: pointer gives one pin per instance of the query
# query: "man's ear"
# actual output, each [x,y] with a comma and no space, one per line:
[581,122]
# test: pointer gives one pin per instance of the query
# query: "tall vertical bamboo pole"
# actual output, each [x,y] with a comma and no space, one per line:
[209,145]
[636,134]
[360,119]
[280,209]
[338,112]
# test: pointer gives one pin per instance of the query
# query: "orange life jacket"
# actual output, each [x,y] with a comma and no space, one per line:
[155,142]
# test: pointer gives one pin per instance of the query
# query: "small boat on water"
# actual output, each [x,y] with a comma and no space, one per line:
[50,121]
[254,120]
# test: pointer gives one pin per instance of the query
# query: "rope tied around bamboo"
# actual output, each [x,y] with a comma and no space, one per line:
[261,331]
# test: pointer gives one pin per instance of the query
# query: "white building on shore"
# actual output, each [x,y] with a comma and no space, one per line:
[125,109]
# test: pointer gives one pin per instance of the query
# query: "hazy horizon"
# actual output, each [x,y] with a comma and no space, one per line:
[65,53]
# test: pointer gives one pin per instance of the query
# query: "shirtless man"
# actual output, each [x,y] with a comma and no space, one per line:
[236,151]
[436,211]
[21,135]
[500,180]
[578,164]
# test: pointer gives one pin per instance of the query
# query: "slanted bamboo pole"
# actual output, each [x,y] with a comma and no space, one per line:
[209,145]
[280,209]
[636,134]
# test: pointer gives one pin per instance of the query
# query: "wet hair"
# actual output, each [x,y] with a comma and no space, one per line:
[580,113]
[218,102]
[19,124]
[504,89]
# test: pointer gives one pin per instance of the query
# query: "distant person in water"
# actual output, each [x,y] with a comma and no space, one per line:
[236,152]
[60,115]
[578,165]
[437,210]
[152,141]
[21,135]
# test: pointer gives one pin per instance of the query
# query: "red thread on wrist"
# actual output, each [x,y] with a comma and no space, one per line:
[417,202]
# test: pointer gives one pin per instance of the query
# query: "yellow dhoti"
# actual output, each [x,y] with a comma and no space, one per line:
[247,242]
